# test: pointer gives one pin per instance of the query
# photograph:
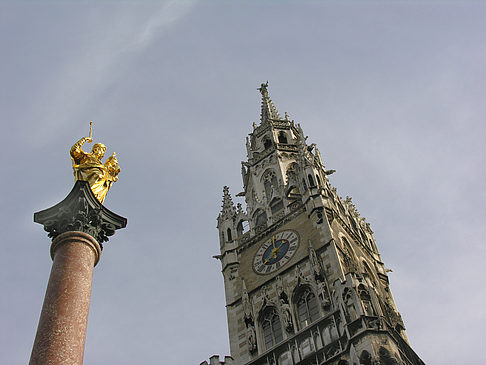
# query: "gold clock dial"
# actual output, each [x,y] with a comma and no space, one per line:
[275,252]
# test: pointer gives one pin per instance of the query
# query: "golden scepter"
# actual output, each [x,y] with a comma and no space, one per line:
[91,130]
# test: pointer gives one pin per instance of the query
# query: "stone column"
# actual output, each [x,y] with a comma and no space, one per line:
[62,326]
[78,226]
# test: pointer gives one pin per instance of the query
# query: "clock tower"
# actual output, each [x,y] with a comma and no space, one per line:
[303,277]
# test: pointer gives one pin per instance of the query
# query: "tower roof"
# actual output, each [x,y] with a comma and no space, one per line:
[268,109]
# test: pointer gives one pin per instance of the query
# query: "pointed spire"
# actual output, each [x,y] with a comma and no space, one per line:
[228,208]
[269,111]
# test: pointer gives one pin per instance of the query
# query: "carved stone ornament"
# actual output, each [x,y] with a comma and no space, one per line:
[247,309]
[323,295]
[316,266]
[287,316]
[279,285]
[299,275]
[80,211]
[251,338]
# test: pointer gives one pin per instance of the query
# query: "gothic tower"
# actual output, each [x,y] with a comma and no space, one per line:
[303,277]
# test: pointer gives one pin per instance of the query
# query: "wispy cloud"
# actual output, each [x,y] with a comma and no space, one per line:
[98,60]
[167,15]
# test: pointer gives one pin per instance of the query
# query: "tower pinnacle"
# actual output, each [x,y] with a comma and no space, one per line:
[269,111]
[228,208]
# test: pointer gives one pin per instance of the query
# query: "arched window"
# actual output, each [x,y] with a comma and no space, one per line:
[282,138]
[267,143]
[307,309]
[365,358]
[272,328]
[229,234]
[364,295]
[386,358]
[318,180]
[242,227]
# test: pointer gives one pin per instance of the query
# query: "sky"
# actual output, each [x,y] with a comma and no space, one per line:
[392,93]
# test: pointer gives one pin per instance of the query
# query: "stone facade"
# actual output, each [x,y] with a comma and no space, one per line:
[303,277]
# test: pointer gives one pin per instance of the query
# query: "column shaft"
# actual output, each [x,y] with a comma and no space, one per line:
[61,332]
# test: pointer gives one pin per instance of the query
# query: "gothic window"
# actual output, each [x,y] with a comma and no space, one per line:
[365,358]
[229,234]
[318,180]
[366,300]
[282,138]
[304,184]
[271,327]
[242,227]
[276,205]
[311,181]
[267,143]
[386,358]
[307,309]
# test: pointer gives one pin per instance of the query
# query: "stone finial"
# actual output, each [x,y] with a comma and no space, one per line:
[80,211]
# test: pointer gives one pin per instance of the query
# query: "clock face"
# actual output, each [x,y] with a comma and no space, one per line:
[275,252]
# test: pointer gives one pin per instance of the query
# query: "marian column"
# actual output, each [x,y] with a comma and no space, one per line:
[78,226]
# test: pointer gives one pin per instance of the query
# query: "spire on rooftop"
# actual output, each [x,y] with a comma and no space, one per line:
[228,208]
[269,111]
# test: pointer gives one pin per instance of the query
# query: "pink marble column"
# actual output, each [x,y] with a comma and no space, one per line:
[62,326]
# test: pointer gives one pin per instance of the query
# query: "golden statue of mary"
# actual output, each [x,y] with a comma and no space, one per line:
[88,167]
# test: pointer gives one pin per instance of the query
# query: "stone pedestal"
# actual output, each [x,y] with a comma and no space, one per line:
[78,226]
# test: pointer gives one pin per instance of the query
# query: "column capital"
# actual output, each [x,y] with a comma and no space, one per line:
[76,237]
[80,211]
